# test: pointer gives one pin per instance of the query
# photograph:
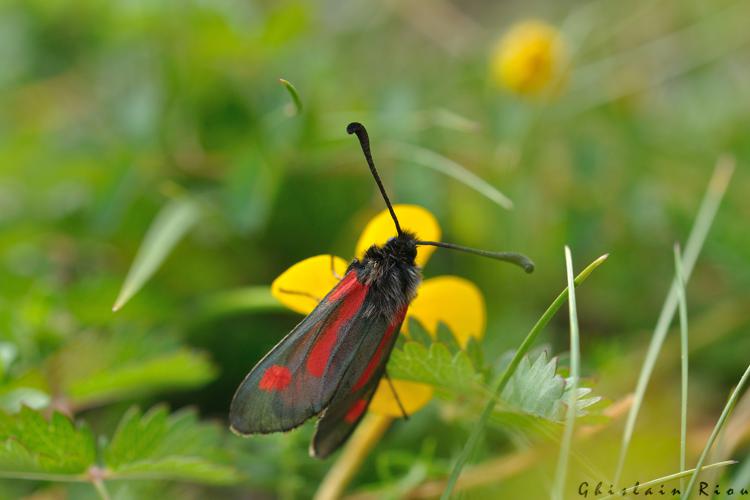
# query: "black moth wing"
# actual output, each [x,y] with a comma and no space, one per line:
[352,398]
[298,377]
[326,352]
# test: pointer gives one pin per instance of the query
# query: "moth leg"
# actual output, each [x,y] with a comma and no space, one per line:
[333,269]
[395,395]
[301,294]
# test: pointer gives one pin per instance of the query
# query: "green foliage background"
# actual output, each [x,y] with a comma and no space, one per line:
[110,111]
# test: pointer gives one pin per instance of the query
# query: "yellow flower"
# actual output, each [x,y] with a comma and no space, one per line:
[449,299]
[531,59]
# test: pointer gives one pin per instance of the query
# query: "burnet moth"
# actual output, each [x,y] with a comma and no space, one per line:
[330,364]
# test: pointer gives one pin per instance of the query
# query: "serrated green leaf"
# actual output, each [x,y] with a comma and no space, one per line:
[31,444]
[418,333]
[158,445]
[169,226]
[582,402]
[535,388]
[434,365]
[400,341]
[538,389]
[446,337]
[476,353]
[92,368]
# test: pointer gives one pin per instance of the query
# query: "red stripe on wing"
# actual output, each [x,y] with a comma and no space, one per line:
[345,286]
[352,293]
[375,360]
[354,412]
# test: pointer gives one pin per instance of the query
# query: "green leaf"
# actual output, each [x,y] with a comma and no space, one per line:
[535,388]
[434,365]
[475,352]
[177,370]
[583,403]
[31,444]
[93,369]
[170,225]
[418,333]
[445,336]
[156,445]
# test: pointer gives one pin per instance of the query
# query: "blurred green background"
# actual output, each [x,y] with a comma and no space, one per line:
[110,110]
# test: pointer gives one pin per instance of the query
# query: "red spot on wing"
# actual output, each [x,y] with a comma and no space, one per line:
[275,378]
[355,411]
[375,360]
[352,293]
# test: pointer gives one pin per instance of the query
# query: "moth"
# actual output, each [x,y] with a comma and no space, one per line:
[331,363]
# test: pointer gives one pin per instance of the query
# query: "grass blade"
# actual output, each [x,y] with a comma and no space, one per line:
[294,95]
[435,161]
[670,477]
[717,428]
[716,188]
[170,225]
[476,433]
[575,353]
[680,278]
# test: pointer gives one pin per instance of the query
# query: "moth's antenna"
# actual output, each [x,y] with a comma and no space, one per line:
[364,142]
[512,257]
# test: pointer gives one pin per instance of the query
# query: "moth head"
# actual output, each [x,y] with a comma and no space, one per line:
[403,247]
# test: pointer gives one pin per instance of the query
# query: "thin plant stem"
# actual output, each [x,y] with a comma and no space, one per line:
[502,381]
[717,428]
[575,353]
[44,476]
[679,274]
[716,188]
[101,489]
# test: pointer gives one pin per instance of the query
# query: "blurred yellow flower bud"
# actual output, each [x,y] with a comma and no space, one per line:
[531,59]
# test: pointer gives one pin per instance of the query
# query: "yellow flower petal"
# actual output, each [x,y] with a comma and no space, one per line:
[412,218]
[455,301]
[301,287]
[412,395]
[531,59]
